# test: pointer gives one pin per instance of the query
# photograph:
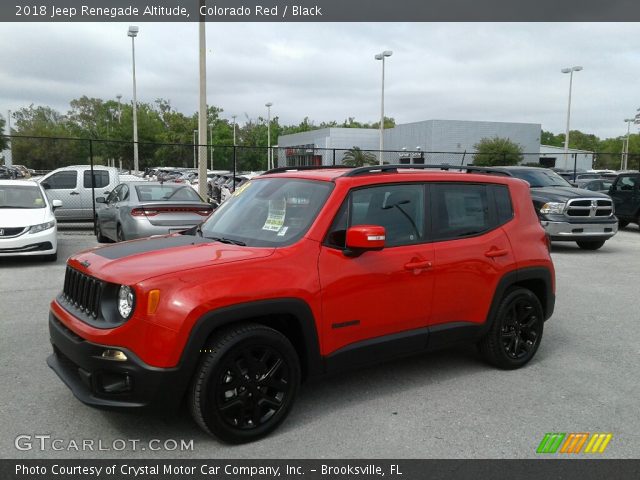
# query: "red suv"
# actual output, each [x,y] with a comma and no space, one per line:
[304,272]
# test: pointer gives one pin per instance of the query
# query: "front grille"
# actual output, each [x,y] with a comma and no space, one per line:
[83,292]
[12,232]
[589,207]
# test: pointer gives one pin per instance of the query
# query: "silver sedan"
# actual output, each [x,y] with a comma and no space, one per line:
[141,209]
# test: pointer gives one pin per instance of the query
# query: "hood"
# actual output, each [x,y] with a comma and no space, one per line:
[562,194]
[137,260]
[23,217]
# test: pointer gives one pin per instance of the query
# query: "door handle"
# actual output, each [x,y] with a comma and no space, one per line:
[418,265]
[74,193]
[496,252]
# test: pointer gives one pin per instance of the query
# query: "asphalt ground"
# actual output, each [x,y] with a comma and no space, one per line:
[443,405]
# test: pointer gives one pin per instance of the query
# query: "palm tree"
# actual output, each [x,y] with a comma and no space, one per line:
[356,157]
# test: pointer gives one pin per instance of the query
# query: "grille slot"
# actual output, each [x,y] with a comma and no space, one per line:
[83,292]
[589,207]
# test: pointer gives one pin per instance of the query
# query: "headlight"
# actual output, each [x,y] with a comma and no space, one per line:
[126,301]
[553,207]
[42,227]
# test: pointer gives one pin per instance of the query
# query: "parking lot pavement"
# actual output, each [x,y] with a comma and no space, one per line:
[444,405]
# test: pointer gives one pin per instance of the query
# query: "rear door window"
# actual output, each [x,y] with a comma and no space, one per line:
[460,210]
[100,179]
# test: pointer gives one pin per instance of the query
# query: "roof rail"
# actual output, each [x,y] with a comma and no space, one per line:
[302,168]
[394,169]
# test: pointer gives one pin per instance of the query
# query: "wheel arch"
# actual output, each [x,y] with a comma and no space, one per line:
[536,279]
[290,316]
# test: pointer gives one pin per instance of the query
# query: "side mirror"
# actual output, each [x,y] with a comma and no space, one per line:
[106,192]
[46,185]
[365,237]
[101,200]
[56,204]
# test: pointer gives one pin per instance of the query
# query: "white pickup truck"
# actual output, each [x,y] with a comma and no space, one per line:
[72,186]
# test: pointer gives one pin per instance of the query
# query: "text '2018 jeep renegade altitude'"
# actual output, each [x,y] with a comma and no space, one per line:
[301,273]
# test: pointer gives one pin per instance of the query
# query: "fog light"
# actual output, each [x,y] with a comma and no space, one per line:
[116,355]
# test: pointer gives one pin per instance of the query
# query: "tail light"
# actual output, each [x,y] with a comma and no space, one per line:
[151,212]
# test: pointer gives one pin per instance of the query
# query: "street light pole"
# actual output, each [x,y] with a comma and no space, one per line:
[570,71]
[269,156]
[8,159]
[195,148]
[381,56]
[119,97]
[625,146]
[234,129]
[133,32]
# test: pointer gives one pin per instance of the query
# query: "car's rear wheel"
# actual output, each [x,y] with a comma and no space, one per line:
[245,384]
[516,330]
[591,245]
[120,234]
[99,236]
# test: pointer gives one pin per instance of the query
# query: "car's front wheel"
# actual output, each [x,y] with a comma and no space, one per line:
[516,330]
[591,245]
[99,236]
[245,384]
[622,223]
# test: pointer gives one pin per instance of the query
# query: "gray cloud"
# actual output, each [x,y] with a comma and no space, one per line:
[326,71]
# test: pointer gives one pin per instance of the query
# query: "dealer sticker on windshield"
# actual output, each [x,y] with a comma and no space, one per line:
[275,217]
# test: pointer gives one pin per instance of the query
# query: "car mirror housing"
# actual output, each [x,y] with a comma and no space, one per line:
[366,237]
[101,200]
[56,204]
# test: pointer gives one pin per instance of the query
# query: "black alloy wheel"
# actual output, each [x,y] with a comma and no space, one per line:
[119,234]
[516,330]
[520,329]
[252,386]
[245,384]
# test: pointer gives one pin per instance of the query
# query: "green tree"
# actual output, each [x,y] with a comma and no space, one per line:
[497,151]
[355,157]
[4,142]
[549,138]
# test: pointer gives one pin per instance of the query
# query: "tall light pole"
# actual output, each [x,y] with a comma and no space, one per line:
[195,148]
[269,158]
[8,159]
[119,97]
[570,71]
[202,108]
[625,146]
[133,33]
[211,144]
[381,56]
[234,129]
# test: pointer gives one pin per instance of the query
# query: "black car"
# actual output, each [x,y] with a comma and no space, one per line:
[567,213]
[625,193]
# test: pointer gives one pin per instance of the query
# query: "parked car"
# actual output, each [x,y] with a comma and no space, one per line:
[232,184]
[216,188]
[11,172]
[27,223]
[567,213]
[299,274]
[601,185]
[141,209]
[72,186]
[625,193]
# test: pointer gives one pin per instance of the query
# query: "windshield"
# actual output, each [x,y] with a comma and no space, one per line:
[21,196]
[540,178]
[167,193]
[268,212]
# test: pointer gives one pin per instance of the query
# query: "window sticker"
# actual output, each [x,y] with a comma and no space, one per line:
[283,231]
[275,217]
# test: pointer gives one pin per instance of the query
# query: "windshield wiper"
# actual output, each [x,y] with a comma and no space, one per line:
[227,240]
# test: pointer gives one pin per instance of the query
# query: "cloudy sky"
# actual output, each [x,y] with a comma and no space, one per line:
[326,71]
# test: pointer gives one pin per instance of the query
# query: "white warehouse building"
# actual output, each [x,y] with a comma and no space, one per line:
[407,143]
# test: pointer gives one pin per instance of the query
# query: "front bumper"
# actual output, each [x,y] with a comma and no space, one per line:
[41,243]
[567,231]
[106,383]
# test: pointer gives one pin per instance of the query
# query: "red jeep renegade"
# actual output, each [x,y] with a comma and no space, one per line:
[304,272]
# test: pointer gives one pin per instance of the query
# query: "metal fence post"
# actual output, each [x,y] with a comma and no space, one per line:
[93,187]
[575,165]
[233,181]
[334,157]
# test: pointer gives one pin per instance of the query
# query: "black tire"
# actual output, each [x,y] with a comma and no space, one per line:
[591,245]
[622,223]
[99,236]
[119,234]
[264,370]
[516,330]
